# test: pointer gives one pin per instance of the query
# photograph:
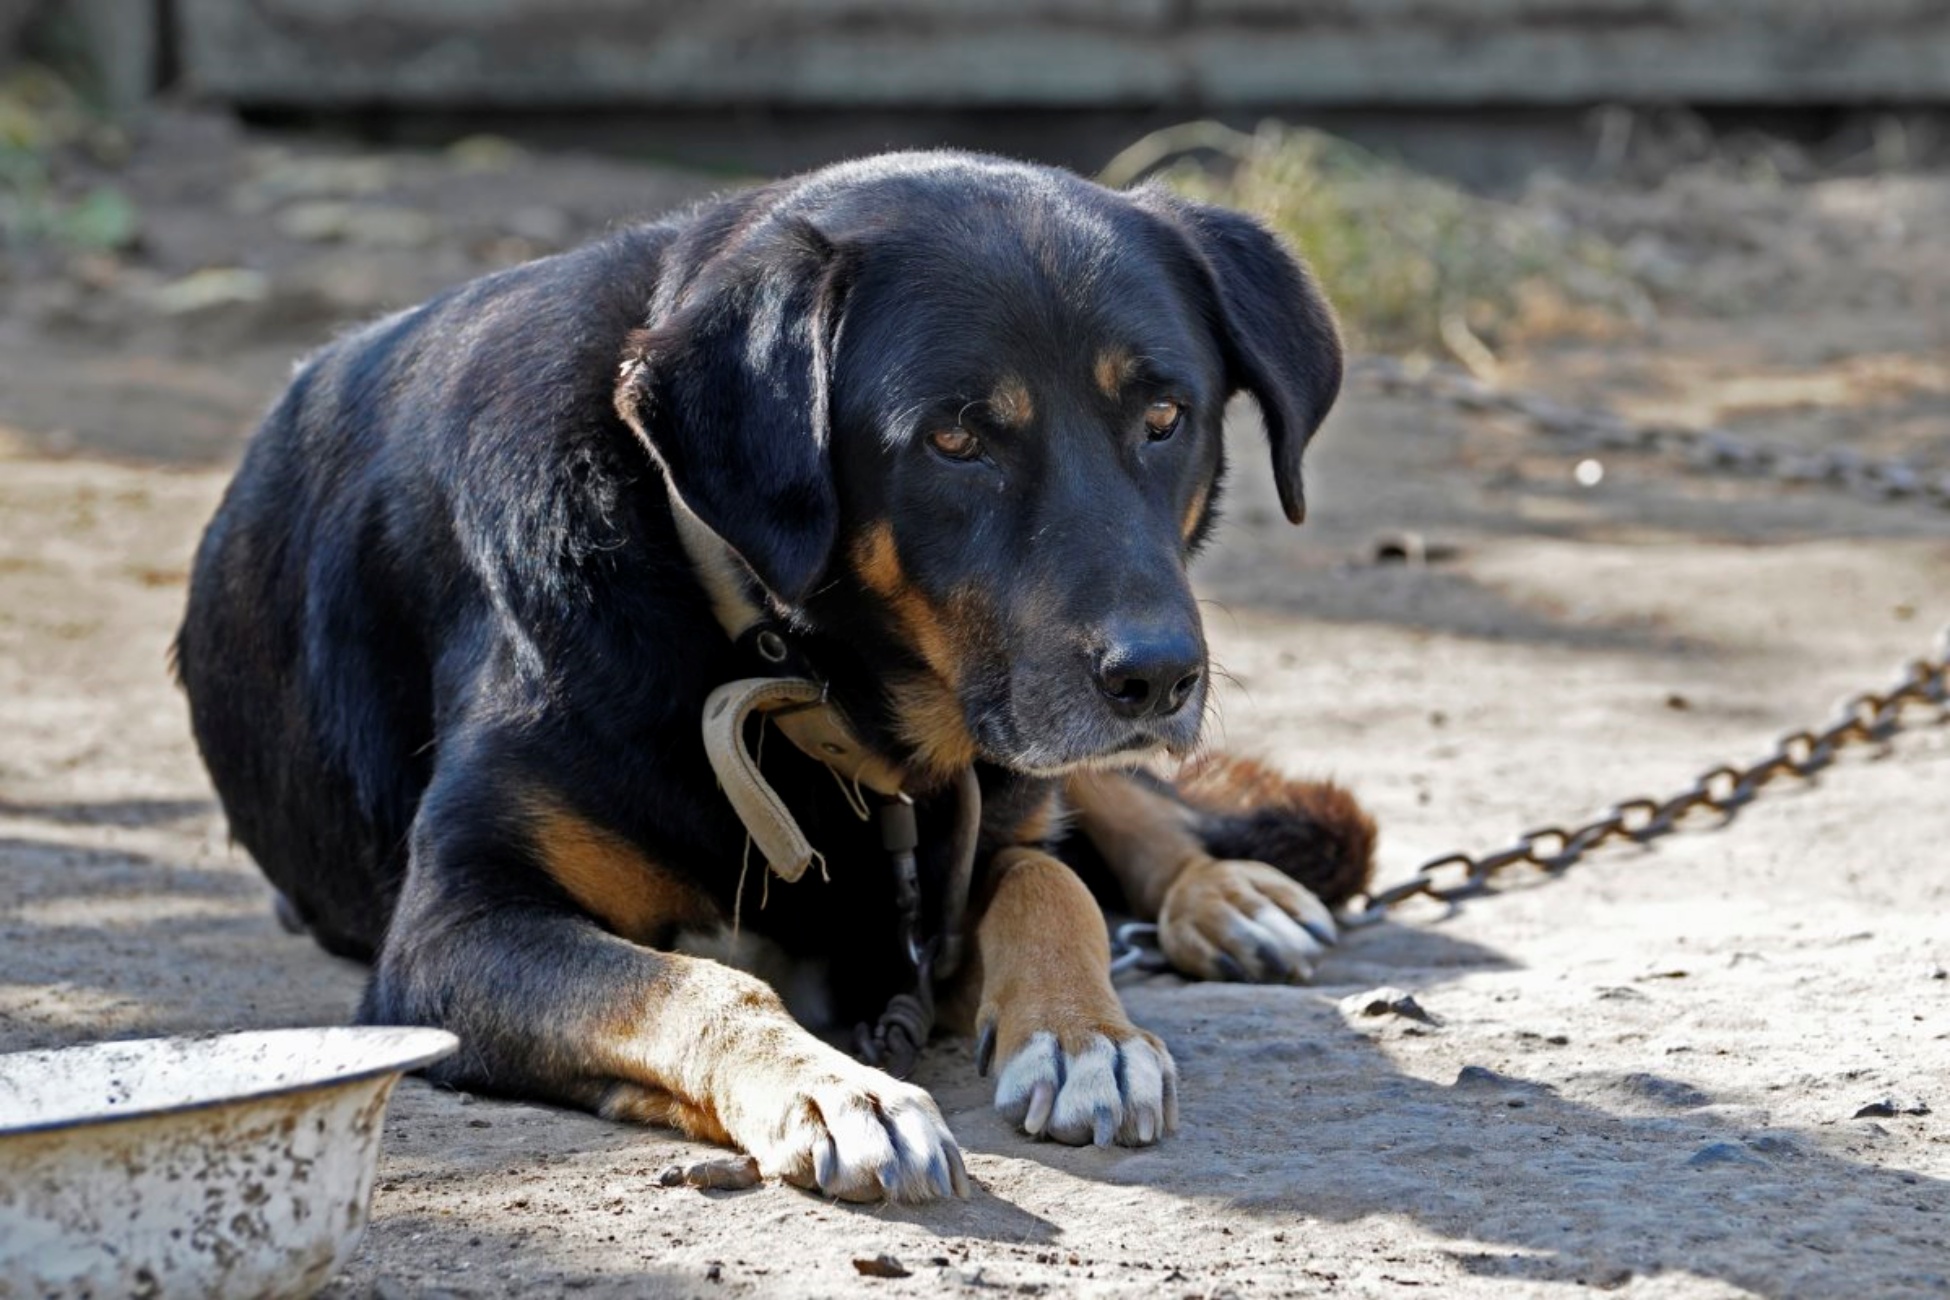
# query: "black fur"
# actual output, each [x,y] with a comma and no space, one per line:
[446,577]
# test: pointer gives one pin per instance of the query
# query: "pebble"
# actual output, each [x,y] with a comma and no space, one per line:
[1387,1001]
[1889,1108]
[1722,1153]
[1770,1144]
[1666,1092]
[881,1266]
[727,1174]
[1482,1078]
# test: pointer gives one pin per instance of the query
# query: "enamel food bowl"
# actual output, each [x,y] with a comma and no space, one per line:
[224,1165]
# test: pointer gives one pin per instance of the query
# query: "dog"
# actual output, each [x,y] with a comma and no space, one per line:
[936,432]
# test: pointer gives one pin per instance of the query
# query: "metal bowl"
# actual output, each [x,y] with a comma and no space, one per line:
[227,1165]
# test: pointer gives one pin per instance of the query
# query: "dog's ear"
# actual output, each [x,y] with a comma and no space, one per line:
[1280,339]
[729,387]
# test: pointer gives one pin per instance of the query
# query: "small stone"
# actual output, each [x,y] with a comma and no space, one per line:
[1664,1091]
[1723,1153]
[1387,1001]
[881,1266]
[1769,1144]
[1475,1077]
[1889,1108]
[729,1174]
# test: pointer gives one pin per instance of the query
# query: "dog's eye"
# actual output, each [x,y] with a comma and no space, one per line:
[956,443]
[1161,418]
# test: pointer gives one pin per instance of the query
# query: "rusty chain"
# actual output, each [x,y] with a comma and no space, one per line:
[1712,449]
[1724,788]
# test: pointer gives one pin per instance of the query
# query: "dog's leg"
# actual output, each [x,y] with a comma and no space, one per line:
[1073,1066]
[549,1003]
[1235,863]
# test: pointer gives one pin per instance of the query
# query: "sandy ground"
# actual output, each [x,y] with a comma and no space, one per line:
[1646,1074]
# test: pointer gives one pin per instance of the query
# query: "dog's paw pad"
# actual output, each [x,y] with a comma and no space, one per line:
[1101,1092]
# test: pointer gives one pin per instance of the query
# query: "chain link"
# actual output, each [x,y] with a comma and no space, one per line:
[1860,718]
[1717,449]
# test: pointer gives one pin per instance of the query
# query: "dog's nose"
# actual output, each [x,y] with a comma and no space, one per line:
[1149,672]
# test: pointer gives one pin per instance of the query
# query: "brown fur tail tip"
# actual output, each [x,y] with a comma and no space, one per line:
[1314,831]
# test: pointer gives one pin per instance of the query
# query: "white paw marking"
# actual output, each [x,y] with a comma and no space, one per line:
[1124,1092]
[871,1141]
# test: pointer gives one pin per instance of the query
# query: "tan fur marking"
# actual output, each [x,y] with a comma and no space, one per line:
[876,560]
[1010,403]
[1042,823]
[611,879]
[929,719]
[713,1051]
[878,563]
[1045,957]
[928,716]
[1113,369]
[1196,512]
[1146,838]
[629,1103]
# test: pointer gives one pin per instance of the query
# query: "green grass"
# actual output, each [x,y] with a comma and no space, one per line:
[1412,263]
[45,127]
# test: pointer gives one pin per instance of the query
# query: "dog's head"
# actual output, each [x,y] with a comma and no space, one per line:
[962,419]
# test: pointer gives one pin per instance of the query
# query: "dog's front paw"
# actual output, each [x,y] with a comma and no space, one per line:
[1113,1083]
[1244,921]
[859,1135]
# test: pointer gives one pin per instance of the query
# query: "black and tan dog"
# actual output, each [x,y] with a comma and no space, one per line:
[951,426]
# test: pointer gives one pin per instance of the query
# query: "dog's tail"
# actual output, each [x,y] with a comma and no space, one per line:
[1314,831]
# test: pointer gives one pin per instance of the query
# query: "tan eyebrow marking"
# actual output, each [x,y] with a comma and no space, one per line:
[1114,368]
[1010,403]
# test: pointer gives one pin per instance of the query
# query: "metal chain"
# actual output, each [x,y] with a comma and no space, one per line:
[1719,449]
[1724,788]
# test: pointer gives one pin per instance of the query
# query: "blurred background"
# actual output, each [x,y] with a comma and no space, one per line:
[1469,178]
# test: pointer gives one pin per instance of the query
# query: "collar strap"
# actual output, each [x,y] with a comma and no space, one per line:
[790,694]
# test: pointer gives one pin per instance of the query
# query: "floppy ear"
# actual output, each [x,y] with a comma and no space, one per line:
[1280,339]
[729,389]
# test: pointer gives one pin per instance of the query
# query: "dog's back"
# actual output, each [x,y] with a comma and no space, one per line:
[303,649]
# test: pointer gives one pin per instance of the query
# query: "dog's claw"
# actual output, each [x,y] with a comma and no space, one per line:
[1097,1092]
[985,1050]
[859,1135]
[1041,1101]
[1244,922]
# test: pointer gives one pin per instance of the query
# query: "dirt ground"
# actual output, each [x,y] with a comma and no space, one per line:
[1647,1075]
